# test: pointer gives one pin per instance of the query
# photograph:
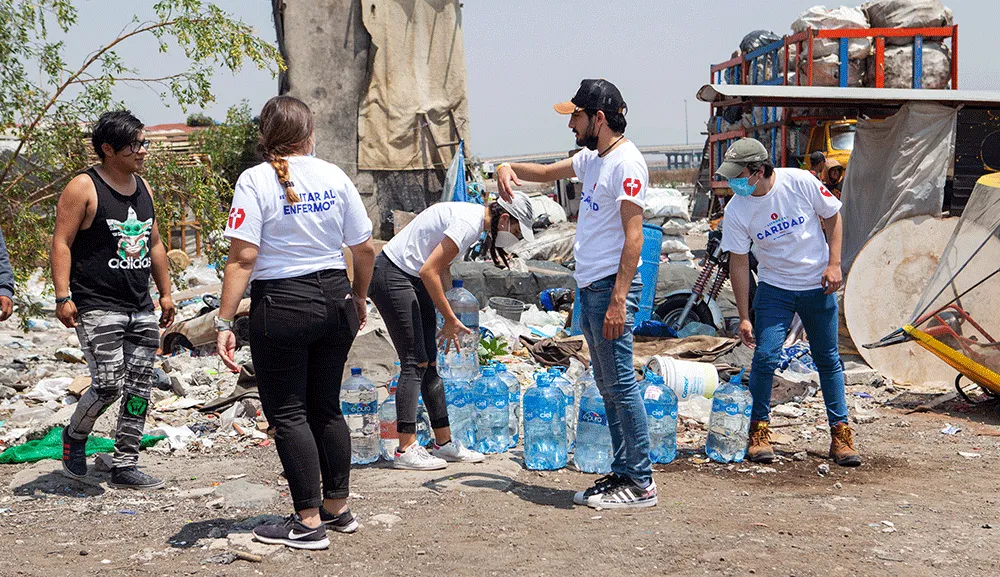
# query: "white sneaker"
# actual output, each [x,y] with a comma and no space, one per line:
[455,452]
[416,458]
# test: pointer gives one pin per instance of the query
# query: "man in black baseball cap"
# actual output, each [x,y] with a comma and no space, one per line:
[609,239]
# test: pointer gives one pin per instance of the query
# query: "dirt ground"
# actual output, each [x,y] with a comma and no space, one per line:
[916,507]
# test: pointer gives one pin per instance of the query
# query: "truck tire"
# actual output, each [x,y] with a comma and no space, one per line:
[670,309]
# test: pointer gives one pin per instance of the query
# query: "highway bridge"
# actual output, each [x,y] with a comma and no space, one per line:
[663,157]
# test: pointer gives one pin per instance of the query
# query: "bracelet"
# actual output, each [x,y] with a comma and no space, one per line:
[62,300]
[502,164]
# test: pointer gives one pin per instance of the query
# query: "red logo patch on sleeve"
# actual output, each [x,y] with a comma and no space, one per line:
[824,191]
[632,186]
[236,217]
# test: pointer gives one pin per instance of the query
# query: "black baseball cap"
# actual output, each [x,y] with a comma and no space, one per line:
[594,94]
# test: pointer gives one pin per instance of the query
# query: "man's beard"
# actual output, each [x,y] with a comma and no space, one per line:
[590,140]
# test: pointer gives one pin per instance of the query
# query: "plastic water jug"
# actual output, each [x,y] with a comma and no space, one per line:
[388,436]
[729,423]
[545,445]
[661,416]
[569,404]
[464,362]
[461,411]
[492,415]
[593,452]
[359,404]
[425,435]
[513,401]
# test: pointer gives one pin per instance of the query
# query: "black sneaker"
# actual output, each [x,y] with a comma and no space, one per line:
[625,494]
[132,478]
[343,523]
[598,488]
[74,457]
[292,533]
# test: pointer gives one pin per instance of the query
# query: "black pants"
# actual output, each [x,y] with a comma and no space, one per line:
[409,314]
[301,330]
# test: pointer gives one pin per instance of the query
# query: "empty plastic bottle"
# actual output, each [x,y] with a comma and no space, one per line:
[359,404]
[492,415]
[425,435]
[569,404]
[461,411]
[593,452]
[544,425]
[729,423]
[581,385]
[462,363]
[387,433]
[661,416]
[513,401]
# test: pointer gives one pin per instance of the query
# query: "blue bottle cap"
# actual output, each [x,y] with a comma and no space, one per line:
[457,283]
[489,372]
[355,371]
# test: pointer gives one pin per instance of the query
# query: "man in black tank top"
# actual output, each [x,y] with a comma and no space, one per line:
[104,248]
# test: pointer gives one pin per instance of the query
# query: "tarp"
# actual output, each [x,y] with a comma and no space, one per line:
[416,99]
[897,170]
[50,447]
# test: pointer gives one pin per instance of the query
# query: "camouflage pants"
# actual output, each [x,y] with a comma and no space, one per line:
[120,349]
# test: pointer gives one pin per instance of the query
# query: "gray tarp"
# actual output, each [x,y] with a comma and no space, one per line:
[416,100]
[897,170]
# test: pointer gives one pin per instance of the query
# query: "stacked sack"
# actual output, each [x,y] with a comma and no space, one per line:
[899,51]
[668,208]
[826,51]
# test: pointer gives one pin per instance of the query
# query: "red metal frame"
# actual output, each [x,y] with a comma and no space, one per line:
[803,42]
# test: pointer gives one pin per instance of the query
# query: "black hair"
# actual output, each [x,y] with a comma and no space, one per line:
[817,157]
[768,168]
[117,128]
[496,253]
[616,120]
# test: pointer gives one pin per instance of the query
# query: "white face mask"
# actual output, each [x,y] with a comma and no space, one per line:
[505,238]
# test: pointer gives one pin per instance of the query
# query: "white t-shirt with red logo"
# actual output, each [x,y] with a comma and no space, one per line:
[620,176]
[301,238]
[462,222]
[786,229]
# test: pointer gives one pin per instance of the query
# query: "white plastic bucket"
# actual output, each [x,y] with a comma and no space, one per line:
[686,378]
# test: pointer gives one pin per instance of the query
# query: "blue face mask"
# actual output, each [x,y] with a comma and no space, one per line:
[741,186]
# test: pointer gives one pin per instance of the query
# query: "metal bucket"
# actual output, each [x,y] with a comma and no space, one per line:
[507,308]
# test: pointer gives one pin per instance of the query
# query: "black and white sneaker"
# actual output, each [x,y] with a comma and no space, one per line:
[292,533]
[133,478]
[598,488]
[625,494]
[343,523]
[74,457]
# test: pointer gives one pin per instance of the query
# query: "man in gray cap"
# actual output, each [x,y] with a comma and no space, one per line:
[607,250]
[793,221]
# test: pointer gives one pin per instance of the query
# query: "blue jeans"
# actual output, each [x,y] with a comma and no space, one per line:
[615,376]
[774,309]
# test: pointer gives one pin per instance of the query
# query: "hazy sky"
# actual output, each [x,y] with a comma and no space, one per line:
[523,56]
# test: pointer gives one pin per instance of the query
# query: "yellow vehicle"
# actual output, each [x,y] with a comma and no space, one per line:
[834,138]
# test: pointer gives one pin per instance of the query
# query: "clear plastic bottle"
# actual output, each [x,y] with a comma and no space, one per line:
[569,404]
[461,411]
[513,401]
[492,415]
[464,362]
[593,452]
[729,423]
[661,416]
[387,433]
[359,404]
[544,425]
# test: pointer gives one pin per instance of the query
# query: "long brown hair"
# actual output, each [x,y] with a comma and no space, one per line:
[286,123]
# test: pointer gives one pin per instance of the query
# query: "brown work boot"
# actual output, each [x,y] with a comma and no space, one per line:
[842,446]
[760,450]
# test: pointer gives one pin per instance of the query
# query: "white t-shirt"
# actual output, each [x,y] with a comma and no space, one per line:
[786,228]
[308,236]
[600,238]
[462,222]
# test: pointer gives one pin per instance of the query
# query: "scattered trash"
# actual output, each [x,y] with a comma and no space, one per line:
[70,355]
[950,430]
[823,469]
[889,527]
[968,455]
[49,389]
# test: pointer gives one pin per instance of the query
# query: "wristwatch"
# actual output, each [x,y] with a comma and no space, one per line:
[222,324]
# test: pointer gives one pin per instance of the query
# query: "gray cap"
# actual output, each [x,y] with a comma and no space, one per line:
[739,155]
[521,209]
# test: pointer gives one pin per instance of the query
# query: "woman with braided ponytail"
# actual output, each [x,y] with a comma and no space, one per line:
[408,288]
[290,218]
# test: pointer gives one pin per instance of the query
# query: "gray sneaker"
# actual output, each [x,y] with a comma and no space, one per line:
[133,478]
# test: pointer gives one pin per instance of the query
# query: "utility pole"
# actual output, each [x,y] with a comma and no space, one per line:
[686,122]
